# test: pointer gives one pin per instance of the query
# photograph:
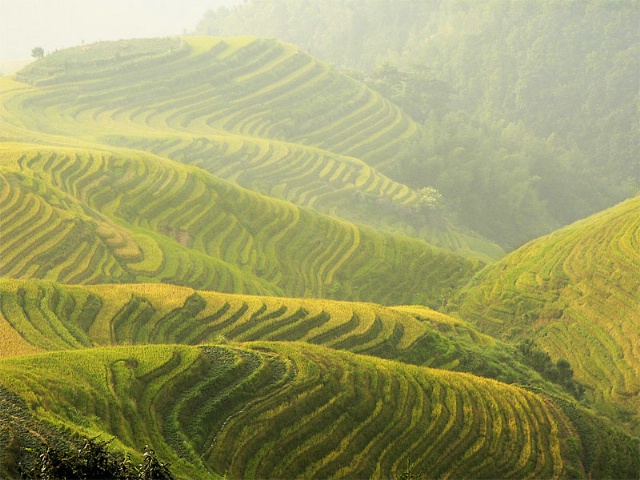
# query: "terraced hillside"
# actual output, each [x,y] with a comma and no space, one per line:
[338,185]
[231,409]
[576,293]
[258,113]
[38,316]
[245,85]
[169,242]
[85,216]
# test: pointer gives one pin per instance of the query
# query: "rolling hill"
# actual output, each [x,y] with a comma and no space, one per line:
[279,410]
[576,293]
[38,316]
[89,216]
[256,87]
[258,113]
[205,248]
[357,415]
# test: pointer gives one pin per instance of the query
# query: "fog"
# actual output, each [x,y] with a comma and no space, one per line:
[25,24]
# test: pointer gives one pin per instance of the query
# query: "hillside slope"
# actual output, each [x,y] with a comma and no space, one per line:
[293,410]
[532,103]
[38,316]
[257,87]
[576,293]
[258,113]
[88,216]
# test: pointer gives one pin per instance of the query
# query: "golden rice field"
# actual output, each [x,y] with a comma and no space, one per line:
[576,292]
[228,406]
[87,216]
[288,410]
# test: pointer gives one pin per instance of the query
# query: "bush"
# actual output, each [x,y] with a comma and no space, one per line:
[559,373]
[94,461]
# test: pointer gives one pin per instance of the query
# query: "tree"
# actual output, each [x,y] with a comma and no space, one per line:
[37,52]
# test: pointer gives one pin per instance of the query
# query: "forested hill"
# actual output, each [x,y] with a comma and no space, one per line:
[530,107]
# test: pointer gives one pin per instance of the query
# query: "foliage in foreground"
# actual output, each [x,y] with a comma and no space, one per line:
[93,460]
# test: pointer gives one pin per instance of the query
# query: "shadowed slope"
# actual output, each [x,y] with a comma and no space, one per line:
[576,293]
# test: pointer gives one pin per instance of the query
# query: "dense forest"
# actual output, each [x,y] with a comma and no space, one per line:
[529,108]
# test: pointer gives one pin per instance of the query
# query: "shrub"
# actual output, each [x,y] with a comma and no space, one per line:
[93,460]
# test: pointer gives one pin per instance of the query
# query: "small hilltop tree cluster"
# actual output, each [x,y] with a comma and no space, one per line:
[37,52]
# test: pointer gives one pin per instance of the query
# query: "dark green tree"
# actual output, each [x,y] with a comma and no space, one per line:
[37,52]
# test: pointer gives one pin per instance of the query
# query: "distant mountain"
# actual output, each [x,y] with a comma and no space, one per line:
[530,107]
[575,292]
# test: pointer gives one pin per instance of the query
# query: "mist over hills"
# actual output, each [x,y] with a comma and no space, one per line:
[233,252]
[519,99]
[289,130]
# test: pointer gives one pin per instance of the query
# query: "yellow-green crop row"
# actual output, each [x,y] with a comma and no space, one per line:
[576,293]
[296,411]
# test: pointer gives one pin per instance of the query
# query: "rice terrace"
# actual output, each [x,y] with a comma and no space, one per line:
[269,249]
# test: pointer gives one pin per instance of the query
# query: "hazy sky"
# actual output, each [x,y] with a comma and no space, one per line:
[55,24]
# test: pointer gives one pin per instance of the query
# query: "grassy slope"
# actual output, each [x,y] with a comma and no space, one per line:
[296,410]
[576,293]
[40,316]
[258,113]
[84,216]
